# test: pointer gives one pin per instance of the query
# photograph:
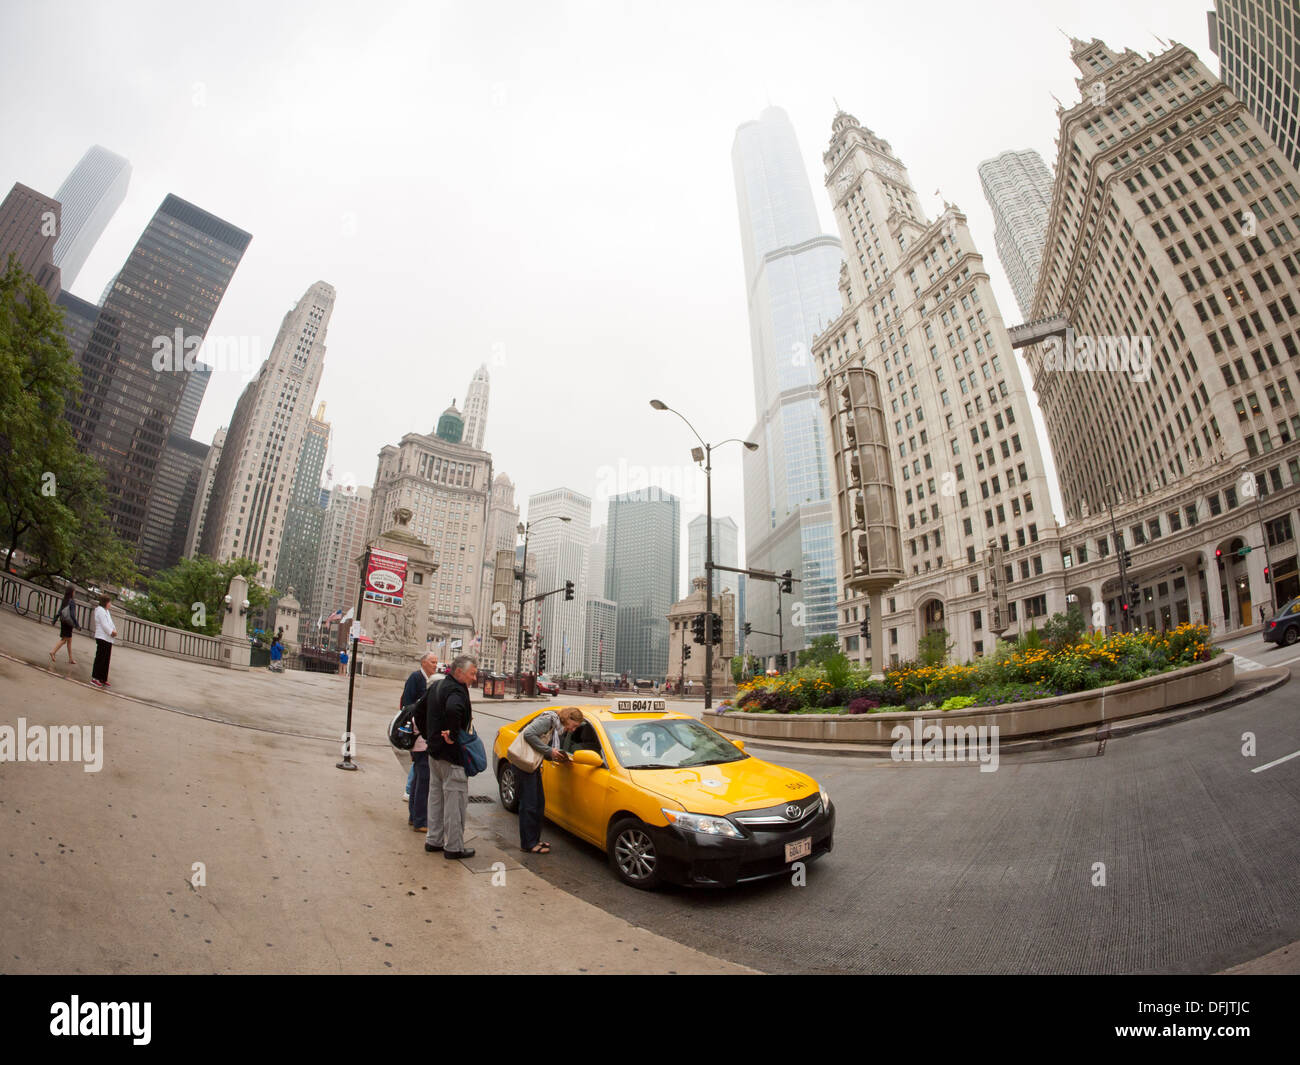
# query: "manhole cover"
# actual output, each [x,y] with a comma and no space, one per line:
[480,798]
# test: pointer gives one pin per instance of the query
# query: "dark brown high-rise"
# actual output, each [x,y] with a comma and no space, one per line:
[158,310]
[29,227]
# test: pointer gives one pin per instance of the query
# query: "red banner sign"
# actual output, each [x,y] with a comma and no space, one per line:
[385,578]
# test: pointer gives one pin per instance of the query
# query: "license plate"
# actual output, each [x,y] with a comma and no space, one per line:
[799,849]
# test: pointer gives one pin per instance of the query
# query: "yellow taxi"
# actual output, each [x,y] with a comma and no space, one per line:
[669,799]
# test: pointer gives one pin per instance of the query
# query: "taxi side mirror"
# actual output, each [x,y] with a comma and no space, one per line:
[739,743]
[588,758]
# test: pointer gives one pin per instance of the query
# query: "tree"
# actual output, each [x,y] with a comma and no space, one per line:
[52,500]
[175,594]
[822,649]
[933,648]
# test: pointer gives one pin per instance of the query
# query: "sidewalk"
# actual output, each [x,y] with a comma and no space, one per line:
[308,869]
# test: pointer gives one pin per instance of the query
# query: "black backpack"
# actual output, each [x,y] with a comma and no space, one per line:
[401,732]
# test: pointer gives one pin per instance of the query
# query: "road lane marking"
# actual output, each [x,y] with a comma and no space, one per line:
[1246,664]
[1279,761]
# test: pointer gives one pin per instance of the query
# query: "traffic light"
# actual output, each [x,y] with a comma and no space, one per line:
[863,629]
[717,628]
[541,660]
[1135,594]
[1218,557]
[528,640]
[748,628]
[1268,579]
[1128,559]
[697,628]
[568,591]
[686,651]
[787,583]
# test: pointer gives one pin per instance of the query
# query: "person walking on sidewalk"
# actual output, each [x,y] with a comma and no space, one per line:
[105,634]
[444,713]
[66,619]
[417,781]
[542,734]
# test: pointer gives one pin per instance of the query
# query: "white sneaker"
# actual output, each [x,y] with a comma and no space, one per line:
[407,796]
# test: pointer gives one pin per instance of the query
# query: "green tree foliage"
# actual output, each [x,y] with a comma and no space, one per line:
[820,650]
[52,502]
[1064,630]
[933,648]
[173,593]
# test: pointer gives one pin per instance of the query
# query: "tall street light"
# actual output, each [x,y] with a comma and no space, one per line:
[706,456]
[523,529]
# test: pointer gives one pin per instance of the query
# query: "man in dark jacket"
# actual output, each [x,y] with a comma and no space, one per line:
[444,712]
[417,780]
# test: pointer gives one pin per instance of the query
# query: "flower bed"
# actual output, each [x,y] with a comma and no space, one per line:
[1013,674]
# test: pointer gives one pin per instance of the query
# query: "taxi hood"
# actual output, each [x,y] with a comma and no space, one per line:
[747,784]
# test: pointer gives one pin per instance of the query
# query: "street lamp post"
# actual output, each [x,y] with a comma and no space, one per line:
[706,456]
[1263,532]
[524,529]
[1123,570]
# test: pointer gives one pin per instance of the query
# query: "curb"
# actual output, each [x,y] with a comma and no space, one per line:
[1261,683]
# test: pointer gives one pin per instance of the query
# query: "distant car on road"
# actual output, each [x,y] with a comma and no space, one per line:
[546,686]
[1284,627]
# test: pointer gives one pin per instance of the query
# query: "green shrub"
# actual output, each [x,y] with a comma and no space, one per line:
[957,702]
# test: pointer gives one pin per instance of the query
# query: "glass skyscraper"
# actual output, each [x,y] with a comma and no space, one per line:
[642,547]
[169,289]
[792,274]
[91,194]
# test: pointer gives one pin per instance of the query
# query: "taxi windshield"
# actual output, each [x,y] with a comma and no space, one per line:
[675,743]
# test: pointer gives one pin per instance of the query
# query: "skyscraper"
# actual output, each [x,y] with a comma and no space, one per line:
[1171,396]
[342,543]
[791,272]
[203,493]
[1259,62]
[171,503]
[1018,186]
[296,566]
[725,551]
[91,194]
[264,444]
[499,535]
[558,550]
[596,563]
[642,548]
[156,313]
[29,226]
[476,407]
[447,485]
[968,479]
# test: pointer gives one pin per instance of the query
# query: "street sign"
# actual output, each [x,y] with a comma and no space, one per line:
[385,578]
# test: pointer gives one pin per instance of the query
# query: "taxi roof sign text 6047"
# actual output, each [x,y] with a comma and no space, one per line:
[640,706]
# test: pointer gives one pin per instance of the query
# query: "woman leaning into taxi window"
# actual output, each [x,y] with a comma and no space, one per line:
[543,735]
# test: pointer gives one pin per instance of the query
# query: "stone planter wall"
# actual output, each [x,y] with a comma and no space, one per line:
[1014,720]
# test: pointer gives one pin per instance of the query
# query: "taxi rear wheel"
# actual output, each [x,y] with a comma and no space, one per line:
[633,855]
[508,786]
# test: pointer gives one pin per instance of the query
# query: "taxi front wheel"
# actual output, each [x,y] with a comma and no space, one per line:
[508,785]
[633,855]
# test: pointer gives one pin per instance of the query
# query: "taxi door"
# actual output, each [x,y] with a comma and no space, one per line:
[584,792]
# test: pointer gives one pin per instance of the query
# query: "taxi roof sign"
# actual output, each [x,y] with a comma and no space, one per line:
[640,706]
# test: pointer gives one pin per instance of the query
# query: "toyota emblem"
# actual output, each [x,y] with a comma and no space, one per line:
[793,812]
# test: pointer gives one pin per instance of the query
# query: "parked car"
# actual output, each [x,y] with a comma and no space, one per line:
[669,799]
[1284,627]
[547,686]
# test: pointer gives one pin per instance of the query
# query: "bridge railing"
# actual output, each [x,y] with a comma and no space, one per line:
[41,604]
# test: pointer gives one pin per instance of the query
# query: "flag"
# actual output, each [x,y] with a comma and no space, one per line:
[348,615]
[336,616]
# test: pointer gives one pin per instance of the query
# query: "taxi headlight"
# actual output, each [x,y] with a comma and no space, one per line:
[705,824]
[826,799]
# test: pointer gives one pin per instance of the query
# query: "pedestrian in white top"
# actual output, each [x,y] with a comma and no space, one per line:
[104,636]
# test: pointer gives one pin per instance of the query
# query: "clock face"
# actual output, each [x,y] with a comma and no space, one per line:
[888,170]
[846,179]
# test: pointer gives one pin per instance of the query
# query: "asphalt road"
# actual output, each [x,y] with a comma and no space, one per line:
[942,868]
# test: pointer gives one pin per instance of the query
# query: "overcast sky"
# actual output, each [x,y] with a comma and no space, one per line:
[544,187]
